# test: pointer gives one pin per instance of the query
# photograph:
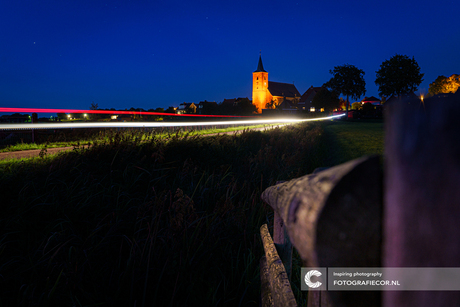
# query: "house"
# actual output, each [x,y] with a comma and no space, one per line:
[407,97]
[305,102]
[372,100]
[189,108]
[443,97]
[264,91]
[207,107]
[15,118]
[287,106]
[233,102]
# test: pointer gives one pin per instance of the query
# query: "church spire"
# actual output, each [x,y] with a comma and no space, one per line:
[260,66]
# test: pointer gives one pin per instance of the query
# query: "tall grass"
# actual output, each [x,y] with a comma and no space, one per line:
[139,220]
[68,137]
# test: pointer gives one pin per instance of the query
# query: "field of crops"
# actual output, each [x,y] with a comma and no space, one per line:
[173,220]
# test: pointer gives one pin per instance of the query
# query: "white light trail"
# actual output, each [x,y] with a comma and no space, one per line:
[29,126]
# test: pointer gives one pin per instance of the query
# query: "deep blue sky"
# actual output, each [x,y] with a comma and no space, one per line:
[149,54]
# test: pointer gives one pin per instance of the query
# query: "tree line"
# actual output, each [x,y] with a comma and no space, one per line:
[397,76]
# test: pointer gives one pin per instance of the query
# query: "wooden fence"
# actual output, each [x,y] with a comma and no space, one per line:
[348,216]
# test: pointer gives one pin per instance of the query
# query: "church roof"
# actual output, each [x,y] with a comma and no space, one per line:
[260,66]
[282,89]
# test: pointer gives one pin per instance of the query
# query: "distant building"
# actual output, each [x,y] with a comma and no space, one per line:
[189,108]
[372,100]
[305,102]
[207,107]
[233,101]
[15,118]
[288,107]
[408,98]
[264,91]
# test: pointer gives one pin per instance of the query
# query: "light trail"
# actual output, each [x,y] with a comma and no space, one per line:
[35,110]
[29,126]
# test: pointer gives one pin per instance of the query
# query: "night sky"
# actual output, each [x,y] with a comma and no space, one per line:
[149,54]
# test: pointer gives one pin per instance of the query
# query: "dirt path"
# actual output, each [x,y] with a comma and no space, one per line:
[30,153]
[50,151]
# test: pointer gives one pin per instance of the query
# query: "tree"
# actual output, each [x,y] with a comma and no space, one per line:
[245,107]
[444,85]
[170,110]
[356,105]
[398,75]
[271,105]
[62,116]
[93,106]
[348,80]
[324,98]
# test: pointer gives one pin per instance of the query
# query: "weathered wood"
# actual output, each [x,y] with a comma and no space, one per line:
[314,299]
[282,243]
[422,193]
[265,295]
[333,218]
[318,299]
[279,283]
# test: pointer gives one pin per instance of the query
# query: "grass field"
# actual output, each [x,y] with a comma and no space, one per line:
[349,140]
[142,220]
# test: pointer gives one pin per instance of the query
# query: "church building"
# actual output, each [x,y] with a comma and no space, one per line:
[264,91]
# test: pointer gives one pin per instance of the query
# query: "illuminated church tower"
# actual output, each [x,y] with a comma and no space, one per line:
[260,94]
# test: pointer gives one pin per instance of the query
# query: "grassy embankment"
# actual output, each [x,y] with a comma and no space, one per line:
[169,221]
[59,140]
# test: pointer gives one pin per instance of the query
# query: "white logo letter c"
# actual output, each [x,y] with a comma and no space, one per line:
[309,275]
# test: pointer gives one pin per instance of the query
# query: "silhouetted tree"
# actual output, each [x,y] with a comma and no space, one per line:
[245,107]
[62,116]
[398,75]
[347,80]
[170,110]
[93,106]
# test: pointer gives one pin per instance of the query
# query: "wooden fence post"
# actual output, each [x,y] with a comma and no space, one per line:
[422,193]
[282,243]
[266,295]
[281,291]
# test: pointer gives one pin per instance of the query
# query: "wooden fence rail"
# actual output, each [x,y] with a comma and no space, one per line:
[333,219]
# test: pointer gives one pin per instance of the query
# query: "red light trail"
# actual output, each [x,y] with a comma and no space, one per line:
[35,110]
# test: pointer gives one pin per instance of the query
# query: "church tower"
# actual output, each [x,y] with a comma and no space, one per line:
[260,92]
